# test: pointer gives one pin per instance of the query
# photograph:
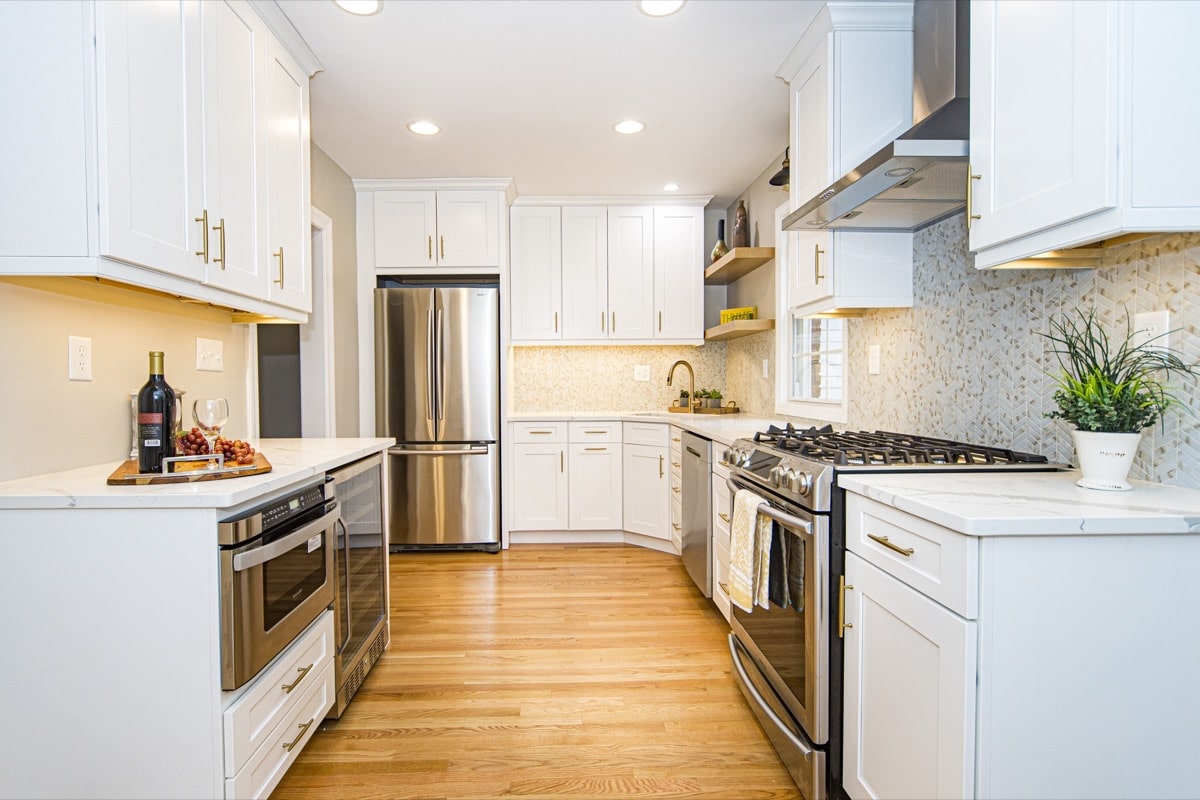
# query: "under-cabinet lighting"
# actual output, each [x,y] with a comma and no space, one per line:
[424,127]
[362,8]
[629,126]
[659,8]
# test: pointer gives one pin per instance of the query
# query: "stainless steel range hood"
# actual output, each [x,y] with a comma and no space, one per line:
[921,177]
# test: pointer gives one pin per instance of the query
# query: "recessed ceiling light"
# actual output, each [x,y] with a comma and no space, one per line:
[363,8]
[671,187]
[424,127]
[659,8]
[629,126]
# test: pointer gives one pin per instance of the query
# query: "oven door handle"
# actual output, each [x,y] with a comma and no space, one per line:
[783,727]
[261,555]
[770,511]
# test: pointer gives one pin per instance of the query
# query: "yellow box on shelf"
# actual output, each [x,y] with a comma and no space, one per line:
[745,312]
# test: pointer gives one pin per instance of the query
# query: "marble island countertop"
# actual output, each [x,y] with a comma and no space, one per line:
[723,428]
[1031,503]
[292,460]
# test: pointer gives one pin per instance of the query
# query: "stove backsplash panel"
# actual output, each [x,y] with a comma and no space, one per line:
[966,362]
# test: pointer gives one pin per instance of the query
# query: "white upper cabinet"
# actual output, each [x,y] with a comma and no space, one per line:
[535,279]
[620,272]
[1080,125]
[850,79]
[442,229]
[184,147]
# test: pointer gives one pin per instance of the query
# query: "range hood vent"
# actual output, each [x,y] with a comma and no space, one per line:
[921,177]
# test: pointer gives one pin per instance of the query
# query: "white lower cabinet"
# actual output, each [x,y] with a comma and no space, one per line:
[540,486]
[647,502]
[594,486]
[909,706]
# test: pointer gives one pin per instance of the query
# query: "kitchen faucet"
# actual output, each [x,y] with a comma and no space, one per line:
[691,382]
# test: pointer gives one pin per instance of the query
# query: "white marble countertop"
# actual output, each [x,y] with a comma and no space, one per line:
[292,460]
[1031,503]
[723,428]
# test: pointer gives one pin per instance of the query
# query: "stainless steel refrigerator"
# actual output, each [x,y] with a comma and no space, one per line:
[437,392]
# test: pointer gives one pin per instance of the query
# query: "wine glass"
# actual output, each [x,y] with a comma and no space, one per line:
[211,414]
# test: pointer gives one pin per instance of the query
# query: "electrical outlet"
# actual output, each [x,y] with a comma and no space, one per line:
[641,372]
[210,355]
[79,358]
[1152,327]
[873,358]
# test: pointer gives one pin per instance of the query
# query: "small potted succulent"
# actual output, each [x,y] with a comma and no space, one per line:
[1110,391]
[682,402]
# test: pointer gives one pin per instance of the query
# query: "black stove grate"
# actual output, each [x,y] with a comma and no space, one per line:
[884,448]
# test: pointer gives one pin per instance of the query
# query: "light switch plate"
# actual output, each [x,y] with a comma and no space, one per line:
[1152,325]
[79,358]
[210,355]
[641,372]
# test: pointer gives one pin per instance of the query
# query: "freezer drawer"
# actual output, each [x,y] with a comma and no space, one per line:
[444,495]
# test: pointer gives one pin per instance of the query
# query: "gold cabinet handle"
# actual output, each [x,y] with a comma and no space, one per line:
[220,227]
[724,587]
[602,322]
[675,489]
[723,516]
[287,688]
[883,540]
[817,251]
[602,449]
[279,255]
[303,730]
[614,322]
[556,322]
[203,220]
[723,463]
[675,464]
[970,191]
[676,526]
[539,433]
[660,466]
[595,432]
[562,461]
[842,624]
[660,322]
[441,247]
[429,247]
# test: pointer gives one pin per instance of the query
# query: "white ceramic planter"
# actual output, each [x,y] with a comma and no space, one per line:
[1105,459]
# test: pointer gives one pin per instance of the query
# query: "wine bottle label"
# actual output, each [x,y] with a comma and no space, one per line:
[152,442]
[150,418]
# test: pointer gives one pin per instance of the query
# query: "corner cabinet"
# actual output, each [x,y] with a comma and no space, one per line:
[850,86]
[1080,126]
[190,181]
[583,273]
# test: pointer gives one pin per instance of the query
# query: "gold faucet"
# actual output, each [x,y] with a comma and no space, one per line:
[691,382]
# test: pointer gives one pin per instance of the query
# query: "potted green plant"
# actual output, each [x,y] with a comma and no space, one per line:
[683,399]
[1110,391]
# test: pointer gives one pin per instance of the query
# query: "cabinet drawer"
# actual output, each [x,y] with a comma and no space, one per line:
[722,511]
[651,433]
[720,579]
[269,763]
[252,716]
[534,432]
[940,563]
[606,431]
[720,467]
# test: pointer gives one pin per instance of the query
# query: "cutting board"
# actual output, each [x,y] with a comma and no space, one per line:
[186,472]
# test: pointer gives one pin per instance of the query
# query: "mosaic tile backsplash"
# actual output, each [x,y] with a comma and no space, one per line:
[966,362]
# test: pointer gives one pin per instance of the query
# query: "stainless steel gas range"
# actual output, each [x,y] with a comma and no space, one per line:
[788,658]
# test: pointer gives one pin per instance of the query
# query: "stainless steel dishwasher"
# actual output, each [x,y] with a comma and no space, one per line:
[696,453]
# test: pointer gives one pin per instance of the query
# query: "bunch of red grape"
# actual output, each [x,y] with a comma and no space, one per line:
[236,451]
[191,443]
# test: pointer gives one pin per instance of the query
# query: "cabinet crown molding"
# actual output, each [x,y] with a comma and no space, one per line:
[286,32]
[889,15]
[506,185]
[618,200]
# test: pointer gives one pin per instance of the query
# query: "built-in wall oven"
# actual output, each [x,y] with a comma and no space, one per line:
[788,658]
[277,576]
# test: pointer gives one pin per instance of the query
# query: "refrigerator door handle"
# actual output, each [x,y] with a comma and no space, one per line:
[472,450]
[429,356]
[439,355]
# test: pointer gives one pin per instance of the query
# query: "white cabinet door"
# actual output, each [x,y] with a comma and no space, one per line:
[468,229]
[1043,114]
[647,496]
[536,273]
[405,226]
[540,487]
[678,271]
[811,160]
[234,178]
[288,225]
[595,487]
[631,272]
[909,691]
[150,130]
[585,272]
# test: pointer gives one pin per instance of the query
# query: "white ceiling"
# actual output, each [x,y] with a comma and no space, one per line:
[530,89]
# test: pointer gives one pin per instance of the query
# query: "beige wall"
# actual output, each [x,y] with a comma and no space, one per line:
[48,423]
[758,287]
[333,195]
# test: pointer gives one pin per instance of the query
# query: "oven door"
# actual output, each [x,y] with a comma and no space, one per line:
[272,587]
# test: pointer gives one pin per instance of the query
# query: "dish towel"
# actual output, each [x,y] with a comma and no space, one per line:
[749,552]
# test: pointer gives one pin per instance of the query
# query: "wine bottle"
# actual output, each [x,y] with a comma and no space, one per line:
[156,418]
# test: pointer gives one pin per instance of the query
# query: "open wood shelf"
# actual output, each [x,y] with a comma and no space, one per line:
[737,329]
[736,263]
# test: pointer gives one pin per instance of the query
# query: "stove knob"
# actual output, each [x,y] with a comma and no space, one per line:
[802,483]
[775,475]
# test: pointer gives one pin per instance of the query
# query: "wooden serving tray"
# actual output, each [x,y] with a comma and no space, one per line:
[186,472]
[720,410]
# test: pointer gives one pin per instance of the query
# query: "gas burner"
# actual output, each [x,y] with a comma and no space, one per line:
[884,448]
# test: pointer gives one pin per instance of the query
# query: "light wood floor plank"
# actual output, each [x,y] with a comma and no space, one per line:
[545,671]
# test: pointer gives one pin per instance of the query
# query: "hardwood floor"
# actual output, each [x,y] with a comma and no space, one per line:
[546,671]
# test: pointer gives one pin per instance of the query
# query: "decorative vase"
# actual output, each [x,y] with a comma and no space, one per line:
[741,226]
[719,249]
[1105,459]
